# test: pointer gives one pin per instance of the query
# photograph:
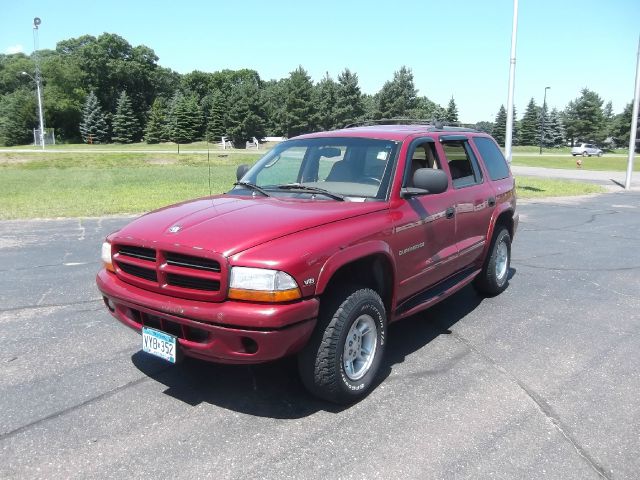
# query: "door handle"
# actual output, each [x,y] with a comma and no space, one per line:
[492,201]
[450,212]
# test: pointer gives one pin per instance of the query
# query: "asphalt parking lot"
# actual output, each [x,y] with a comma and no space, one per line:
[542,381]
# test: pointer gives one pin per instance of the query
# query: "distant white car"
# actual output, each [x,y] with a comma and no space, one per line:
[586,150]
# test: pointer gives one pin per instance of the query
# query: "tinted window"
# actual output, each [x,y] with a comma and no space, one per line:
[462,163]
[493,158]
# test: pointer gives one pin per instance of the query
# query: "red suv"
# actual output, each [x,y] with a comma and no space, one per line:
[319,246]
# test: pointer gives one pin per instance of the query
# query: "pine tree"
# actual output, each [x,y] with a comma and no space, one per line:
[215,125]
[554,130]
[271,95]
[529,125]
[439,114]
[349,106]
[298,110]
[584,119]
[452,112]
[184,119]
[125,125]
[93,127]
[324,97]
[157,123]
[244,117]
[500,126]
[424,109]
[608,118]
[398,97]
[515,133]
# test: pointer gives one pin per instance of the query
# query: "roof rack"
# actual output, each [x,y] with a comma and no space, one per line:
[432,125]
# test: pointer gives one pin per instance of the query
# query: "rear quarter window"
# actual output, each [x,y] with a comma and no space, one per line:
[493,158]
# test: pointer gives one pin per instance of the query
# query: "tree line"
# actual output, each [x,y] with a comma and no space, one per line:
[102,89]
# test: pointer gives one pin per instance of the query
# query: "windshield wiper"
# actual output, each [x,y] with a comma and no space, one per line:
[252,186]
[308,188]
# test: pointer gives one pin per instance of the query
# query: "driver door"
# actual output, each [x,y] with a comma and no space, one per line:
[424,229]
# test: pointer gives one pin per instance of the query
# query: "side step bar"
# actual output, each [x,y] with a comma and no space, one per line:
[434,294]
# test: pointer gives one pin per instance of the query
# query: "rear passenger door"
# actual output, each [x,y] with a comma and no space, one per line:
[474,199]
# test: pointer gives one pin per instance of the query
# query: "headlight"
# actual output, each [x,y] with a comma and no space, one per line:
[106,256]
[262,285]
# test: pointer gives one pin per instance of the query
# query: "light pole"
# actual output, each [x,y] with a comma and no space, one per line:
[508,138]
[39,108]
[544,112]
[38,79]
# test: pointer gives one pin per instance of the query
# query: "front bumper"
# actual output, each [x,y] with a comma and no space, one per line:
[226,332]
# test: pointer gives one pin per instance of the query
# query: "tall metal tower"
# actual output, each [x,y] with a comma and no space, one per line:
[38,79]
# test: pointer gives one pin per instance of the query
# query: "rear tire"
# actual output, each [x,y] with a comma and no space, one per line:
[494,277]
[343,356]
[585,154]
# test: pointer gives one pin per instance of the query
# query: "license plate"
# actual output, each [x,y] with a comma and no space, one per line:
[159,344]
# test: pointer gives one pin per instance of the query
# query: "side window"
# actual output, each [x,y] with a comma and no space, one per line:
[283,168]
[462,163]
[493,158]
[424,156]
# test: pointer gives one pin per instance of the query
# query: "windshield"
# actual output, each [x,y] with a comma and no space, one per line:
[353,168]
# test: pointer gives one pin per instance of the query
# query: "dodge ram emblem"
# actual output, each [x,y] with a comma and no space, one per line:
[175,229]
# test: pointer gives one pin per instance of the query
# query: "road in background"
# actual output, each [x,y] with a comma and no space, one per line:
[541,381]
[613,180]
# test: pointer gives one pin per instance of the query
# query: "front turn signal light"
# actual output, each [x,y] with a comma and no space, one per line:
[262,285]
[106,257]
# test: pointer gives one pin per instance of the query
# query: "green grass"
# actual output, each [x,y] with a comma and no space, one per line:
[604,163]
[49,185]
[72,185]
[535,187]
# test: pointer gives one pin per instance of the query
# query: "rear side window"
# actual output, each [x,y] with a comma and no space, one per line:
[493,158]
[462,163]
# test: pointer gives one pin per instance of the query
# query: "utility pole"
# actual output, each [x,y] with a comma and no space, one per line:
[512,77]
[38,79]
[544,114]
[634,123]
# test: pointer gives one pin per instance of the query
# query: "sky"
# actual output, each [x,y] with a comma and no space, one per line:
[458,49]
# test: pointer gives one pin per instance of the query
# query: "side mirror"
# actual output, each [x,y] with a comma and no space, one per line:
[241,171]
[427,181]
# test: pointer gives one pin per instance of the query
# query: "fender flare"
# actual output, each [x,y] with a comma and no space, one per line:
[494,218]
[351,254]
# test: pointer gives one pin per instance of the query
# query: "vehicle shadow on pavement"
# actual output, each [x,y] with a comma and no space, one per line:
[274,389]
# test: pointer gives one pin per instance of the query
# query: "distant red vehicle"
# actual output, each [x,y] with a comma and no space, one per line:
[319,246]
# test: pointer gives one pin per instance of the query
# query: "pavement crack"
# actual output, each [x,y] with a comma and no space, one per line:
[542,406]
[567,269]
[30,307]
[49,265]
[65,411]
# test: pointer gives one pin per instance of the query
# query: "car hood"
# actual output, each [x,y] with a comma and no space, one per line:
[228,224]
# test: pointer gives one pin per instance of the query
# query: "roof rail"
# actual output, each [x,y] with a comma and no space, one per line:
[432,125]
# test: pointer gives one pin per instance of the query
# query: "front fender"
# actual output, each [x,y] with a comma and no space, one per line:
[351,254]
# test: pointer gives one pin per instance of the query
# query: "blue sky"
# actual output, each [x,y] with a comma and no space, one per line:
[454,48]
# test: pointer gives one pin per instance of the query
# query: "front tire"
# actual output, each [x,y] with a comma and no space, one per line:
[494,277]
[585,154]
[343,356]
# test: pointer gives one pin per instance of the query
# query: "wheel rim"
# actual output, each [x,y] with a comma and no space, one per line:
[360,347]
[502,261]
